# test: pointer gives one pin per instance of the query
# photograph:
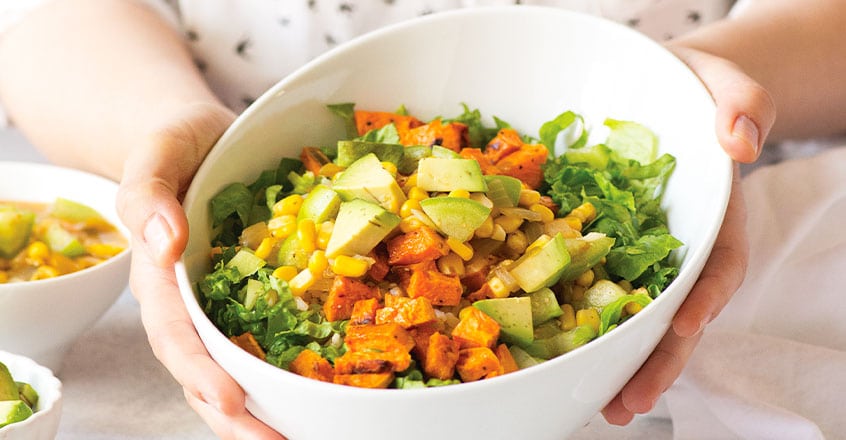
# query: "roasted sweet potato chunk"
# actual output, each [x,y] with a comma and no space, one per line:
[343,294]
[525,164]
[364,311]
[441,357]
[375,380]
[416,246]
[506,141]
[367,120]
[476,329]
[361,362]
[452,135]
[424,280]
[381,337]
[310,364]
[406,312]
[476,363]
[248,342]
[506,360]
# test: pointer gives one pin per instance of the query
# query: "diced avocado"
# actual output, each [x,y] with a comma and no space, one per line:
[544,306]
[542,265]
[351,151]
[504,191]
[411,156]
[28,394]
[319,205]
[514,315]
[76,212]
[585,252]
[246,262]
[63,241]
[291,253]
[365,179]
[15,228]
[444,152]
[602,293]
[445,174]
[561,342]
[457,217]
[523,359]
[8,388]
[359,227]
[255,288]
[13,411]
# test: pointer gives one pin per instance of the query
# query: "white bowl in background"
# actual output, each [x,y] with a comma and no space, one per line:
[42,319]
[44,422]
[524,65]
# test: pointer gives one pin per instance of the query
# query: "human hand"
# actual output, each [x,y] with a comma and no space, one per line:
[153,182]
[745,114]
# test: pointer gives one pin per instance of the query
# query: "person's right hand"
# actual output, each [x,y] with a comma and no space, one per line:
[154,180]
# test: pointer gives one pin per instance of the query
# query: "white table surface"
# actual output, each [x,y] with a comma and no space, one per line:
[115,389]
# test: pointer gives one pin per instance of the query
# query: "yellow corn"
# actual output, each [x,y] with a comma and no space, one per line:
[632,308]
[573,222]
[350,266]
[44,272]
[410,223]
[584,212]
[417,194]
[408,206]
[264,248]
[103,250]
[324,233]
[465,312]
[4,277]
[390,167]
[282,226]
[498,287]
[540,241]
[589,317]
[486,230]
[317,262]
[547,216]
[529,197]
[462,193]
[410,182]
[498,233]
[464,250]
[625,284]
[509,223]
[329,170]
[577,293]
[586,278]
[285,272]
[451,264]
[38,251]
[288,206]
[517,242]
[307,235]
[568,318]
[301,282]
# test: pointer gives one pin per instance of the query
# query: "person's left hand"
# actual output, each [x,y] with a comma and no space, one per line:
[745,114]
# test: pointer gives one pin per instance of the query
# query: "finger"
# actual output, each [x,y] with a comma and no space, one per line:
[233,426]
[723,272]
[655,376]
[745,110]
[174,340]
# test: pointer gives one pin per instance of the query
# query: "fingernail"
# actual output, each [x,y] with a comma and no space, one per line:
[157,234]
[744,128]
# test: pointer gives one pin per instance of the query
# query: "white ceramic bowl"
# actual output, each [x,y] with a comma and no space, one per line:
[44,423]
[42,319]
[524,65]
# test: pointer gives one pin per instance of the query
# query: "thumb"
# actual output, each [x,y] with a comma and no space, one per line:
[745,110]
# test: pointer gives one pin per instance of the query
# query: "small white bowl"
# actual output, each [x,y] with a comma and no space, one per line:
[524,65]
[44,423]
[42,319]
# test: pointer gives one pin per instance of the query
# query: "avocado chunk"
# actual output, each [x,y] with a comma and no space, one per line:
[541,266]
[351,151]
[444,152]
[411,156]
[523,359]
[601,294]
[28,394]
[13,411]
[15,228]
[291,253]
[8,388]
[63,241]
[514,315]
[359,227]
[246,262]
[504,191]
[561,342]
[457,217]
[585,252]
[76,212]
[448,174]
[319,205]
[544,306]
[365,179]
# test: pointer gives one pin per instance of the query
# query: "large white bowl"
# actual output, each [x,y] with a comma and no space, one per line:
[524,65]
[44,423]
[42,319]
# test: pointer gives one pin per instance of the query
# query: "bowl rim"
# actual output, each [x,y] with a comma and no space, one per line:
[695,263]
[45,408]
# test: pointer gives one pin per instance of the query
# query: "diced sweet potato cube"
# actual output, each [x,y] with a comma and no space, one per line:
[416,246]
[476,363]
[248,342]
[310,364]
[313,159]
[452,135]
[380,268]
[424,280]
[406,312]
[525,164]
[476,329]
[441,357]
[375,380]
[364,311]
[506,141]
[421,335]
[381,337]
[367,120]
[485,163]
[506,360]
[358,362]
[343,294]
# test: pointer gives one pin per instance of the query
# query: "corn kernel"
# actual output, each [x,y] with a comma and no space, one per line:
[586,278]
[461,193]
[103,250]
[517,242]
[509,223]
[417,194]
[577,293]
[307,235]
[547,216]
[573,222]
[324,233]
[589,317]
[451,264]
[44,272]
[264,248]
[408,206]
[288,206]
[498,287]
[529,197]
[411,223]
[285,272]
[350,266]
[463,250]
[329,170]
[465,312]
[584,212]
[540,241]
[38,251]
[390,167]
[498,233]
[4,277]
[486,229]
[410,182]
[632,308]
[300,283]
[282,226]
[625,284]
[317,262]
[568,318]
